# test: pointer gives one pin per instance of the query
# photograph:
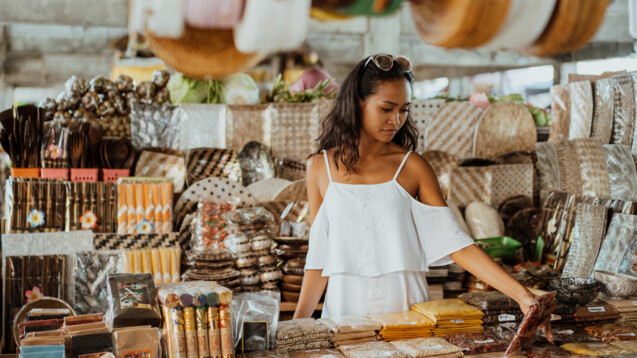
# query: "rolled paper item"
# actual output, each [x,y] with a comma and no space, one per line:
[214,335]
[191,332]
[225,295]
[201,320]
[225,331]
[137,261]
[212,298]
[156,263]
[149,207]
[167,205]
[178,332]
[139,204]
[167,297]
[185,298]
[167,329]
[122,210]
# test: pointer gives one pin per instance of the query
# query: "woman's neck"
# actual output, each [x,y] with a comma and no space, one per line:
[369,147]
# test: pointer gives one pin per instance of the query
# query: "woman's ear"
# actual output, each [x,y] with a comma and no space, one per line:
[362,103]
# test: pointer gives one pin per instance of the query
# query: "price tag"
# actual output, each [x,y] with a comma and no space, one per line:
[597,345]
[568,331]
[631,334]
[596,309]
[483,342]
[506,317]
[457,321]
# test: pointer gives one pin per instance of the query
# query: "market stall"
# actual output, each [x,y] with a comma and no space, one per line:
[170,217]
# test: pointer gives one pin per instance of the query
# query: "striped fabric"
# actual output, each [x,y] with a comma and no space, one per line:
[203,163]
[134,241]
[452,129]
[581,109]
[592,162]
[422,112]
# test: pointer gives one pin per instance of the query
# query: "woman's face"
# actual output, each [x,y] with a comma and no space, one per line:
[386,111]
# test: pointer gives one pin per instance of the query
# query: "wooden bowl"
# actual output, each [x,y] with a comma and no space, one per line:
[290,287]
[290,296]
[293,279]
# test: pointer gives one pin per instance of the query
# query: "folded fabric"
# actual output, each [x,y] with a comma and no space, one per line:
[427,347]
[300,328]
[474,343]
[350,324]
[336,337]
[449,309]
[372,350]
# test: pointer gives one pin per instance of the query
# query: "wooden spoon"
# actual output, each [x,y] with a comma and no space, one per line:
[117,153]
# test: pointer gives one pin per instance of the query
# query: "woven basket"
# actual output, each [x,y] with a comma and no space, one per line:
[295,128]
[503,128]
[581,109]
[573,24]
[442,164]
[203,53]
[560,112]
[458,23]
[452,129]
[623,110]
[602,125]
[422,112]
[297,191]
[44,302]
[592,162]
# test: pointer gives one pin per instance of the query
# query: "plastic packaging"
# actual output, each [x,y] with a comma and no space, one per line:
[621,172]
[618,239]
[581,99]
[54,153]
[603,104]
[91,270]
[255,317]
[144,206]
[587,236]
[623,110]
[132,300]
[628,265]
[137,342]
[477,343]
[154,125]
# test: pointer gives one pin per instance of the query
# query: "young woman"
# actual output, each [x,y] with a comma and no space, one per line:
[379,216]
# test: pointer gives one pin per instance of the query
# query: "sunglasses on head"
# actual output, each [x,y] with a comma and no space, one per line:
[386,62]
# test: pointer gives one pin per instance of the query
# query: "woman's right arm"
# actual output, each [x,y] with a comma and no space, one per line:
[313,282]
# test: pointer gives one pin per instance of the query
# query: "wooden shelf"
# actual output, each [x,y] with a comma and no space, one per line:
[291,307]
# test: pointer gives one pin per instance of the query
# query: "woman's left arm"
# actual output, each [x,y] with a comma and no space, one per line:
[471,258]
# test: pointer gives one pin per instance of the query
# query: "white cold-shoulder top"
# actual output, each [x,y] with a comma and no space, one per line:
[372,230]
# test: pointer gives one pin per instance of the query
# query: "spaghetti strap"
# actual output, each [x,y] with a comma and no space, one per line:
[327,165]
[401,165]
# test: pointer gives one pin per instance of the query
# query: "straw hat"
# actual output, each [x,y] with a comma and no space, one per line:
[203,53]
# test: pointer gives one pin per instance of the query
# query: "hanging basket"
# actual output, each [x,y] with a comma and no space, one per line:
[203,53]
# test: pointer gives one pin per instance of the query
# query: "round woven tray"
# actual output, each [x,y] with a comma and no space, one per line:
[458,23]
[573,24]
[203,53]
[503,128]
[297,191]
[44,302]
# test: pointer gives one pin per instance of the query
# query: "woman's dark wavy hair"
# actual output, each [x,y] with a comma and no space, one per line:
[341,127]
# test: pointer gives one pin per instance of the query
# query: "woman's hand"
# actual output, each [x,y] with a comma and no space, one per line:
[526,301]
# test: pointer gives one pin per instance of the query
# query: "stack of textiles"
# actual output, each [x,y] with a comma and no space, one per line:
[451,316]
[353,329]
[301,334]
[404,325]
[428,347]
[372,350]
[627,309]
[496,306]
